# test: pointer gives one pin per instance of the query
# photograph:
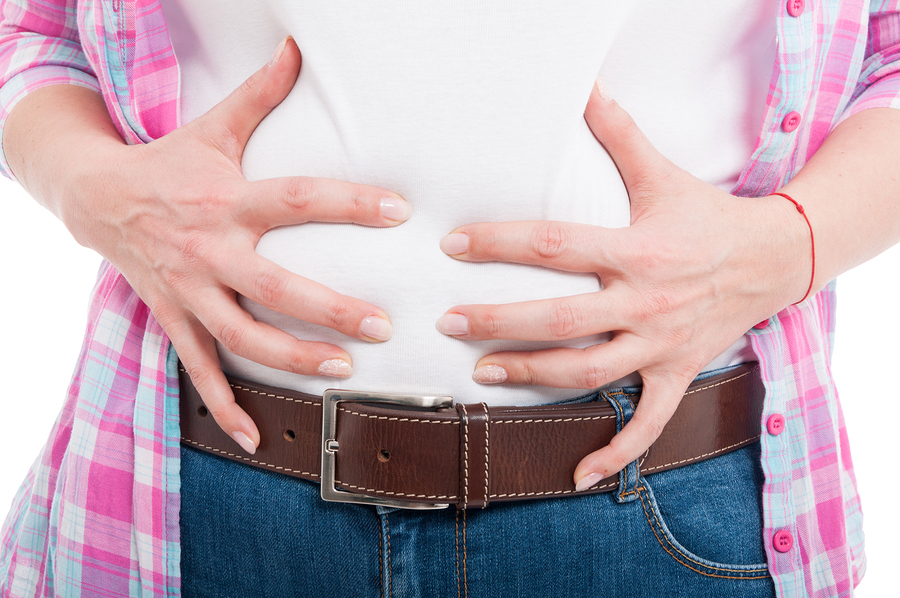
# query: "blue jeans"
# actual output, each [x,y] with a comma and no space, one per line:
[693,531]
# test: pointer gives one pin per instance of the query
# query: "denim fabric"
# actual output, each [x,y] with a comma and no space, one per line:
[693,531]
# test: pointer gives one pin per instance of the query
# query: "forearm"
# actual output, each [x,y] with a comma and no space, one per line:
[58,139]
[850,190]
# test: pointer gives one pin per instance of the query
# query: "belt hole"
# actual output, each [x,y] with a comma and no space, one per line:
[202,411]
[384,456]
[289,435]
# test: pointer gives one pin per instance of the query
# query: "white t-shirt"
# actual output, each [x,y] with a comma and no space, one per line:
[472,111]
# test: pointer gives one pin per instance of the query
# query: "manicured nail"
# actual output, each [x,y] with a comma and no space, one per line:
[279,51]
[336,368]
[453,324]
[490,374]
[455,243]
[245,442]
[394,208]
[588,481]
[603,90]
[376,328]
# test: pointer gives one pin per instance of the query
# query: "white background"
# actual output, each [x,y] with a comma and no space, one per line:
[46,279]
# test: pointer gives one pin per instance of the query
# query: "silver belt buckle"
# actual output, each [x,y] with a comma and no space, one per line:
[330,447]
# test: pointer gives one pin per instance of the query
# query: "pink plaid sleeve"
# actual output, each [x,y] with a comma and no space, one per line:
[39,46]
[879,82]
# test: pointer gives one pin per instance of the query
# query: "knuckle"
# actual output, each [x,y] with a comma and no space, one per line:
[336,314]
[618,460]
[564,320]
[218,411]
[299,193]
[594,375]
[657,303]
[251,87]
[233,338]
[194,248]
[270,289]
[359,207]
[551,240]
[490,324]
[297,362]
[528,373]
[200,374]
[654,425]
[170,316]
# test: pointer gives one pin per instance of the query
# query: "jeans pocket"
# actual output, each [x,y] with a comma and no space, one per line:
[708,516]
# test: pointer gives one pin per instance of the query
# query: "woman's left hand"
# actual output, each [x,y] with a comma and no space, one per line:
[695,270]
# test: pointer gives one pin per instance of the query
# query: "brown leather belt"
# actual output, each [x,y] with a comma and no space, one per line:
[470,454]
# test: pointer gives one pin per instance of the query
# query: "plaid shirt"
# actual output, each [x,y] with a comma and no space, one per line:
[98,512]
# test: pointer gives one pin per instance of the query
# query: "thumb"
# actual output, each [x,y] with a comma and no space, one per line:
[242,111]
[638,161]
[659,399]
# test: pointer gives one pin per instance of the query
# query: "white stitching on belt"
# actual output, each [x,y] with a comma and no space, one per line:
[487,450]
[465,457]
[248,460]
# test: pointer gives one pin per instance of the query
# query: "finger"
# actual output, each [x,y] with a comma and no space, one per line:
[233,120]
[197,351]
[659,400]
[637,159]
[276,288]
[295,200]
[587,369]
[542,320]
[559,245]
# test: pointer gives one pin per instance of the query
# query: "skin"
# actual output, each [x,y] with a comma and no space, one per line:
[693,273]
[179,221]
[695,270]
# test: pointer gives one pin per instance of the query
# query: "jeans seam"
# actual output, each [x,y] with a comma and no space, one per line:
[381,563]
[655,526]
[458,592]
[390,577]
[465,560]
[625,471]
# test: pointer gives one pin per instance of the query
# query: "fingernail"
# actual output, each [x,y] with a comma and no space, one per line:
[490,374]
[279,51]
[394,208]
[603,90]
[455,243]
[453,324]
[588,481]
[245,442]
[376,328]
[336,368]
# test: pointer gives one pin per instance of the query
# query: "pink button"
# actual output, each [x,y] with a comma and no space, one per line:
[791,122]
[775,424]
[783,541]
[762,324]
[795,7]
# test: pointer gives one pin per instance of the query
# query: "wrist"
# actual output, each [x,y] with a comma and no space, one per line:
[90,189]
[64,149]
[812,242]
[778,249]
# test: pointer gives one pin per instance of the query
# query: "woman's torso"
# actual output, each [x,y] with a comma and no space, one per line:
[472,112]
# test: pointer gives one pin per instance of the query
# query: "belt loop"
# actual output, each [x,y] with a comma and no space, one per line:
[630,476]
[475,455]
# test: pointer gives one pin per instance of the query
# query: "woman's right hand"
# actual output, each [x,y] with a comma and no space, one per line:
[180,222]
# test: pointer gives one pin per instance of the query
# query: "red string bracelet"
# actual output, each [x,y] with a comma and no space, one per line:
[812,239]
